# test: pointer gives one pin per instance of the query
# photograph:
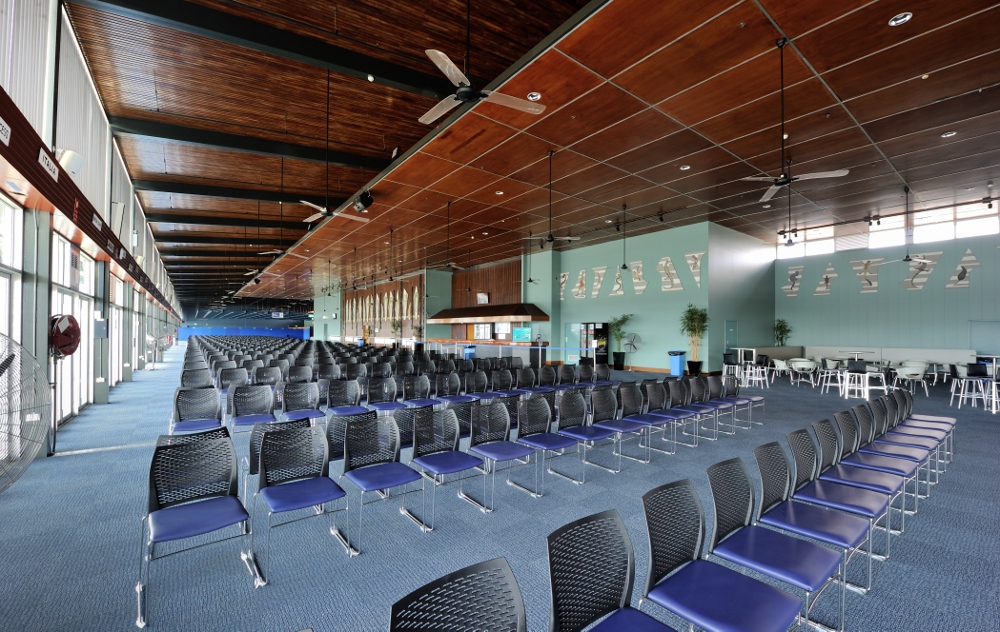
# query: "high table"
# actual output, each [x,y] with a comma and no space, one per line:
[857,354]
[993,379]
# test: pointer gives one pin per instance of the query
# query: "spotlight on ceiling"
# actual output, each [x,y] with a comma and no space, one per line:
[789,242]
[70,161]
[256,281]
[901,19]
[363,201]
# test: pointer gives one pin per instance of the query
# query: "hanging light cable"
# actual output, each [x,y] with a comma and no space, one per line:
[624,265]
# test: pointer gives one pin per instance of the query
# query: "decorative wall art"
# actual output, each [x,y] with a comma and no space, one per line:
[694,263]
[616,289]
[598,280]
[960,277]
[669,281]
[580,289]
[823,289]
[791,287]
[867,271]
[638,283]
[921,270]
[563,278]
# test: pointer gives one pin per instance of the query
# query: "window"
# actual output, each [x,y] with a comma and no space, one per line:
[86,275]
[806,243]
[977,227]
[11,229]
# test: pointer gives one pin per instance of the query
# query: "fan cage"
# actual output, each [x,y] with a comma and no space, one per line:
[25,400]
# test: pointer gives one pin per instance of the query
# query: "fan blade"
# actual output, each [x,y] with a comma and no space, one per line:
[771,191]
[513,102]
[885,263]
[444,106]
[298,255]
[272,252]
[314,206]
[251,272]
[448,67]
[823,174]
[313,218]
[757,179]
[363,220]
[453,266]
[567,238]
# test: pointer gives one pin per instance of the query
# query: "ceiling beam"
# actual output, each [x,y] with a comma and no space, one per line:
[216,220]
[210,190]
[250,144]
[189,17]
[170,238]
[181,255]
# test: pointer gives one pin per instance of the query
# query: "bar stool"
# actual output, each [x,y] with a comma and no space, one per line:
[970,386]
[830,372]
[857,379]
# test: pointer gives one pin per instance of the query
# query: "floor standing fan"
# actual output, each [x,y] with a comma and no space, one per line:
[632,344]
[25,407]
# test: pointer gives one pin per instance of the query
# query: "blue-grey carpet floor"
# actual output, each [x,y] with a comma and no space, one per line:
[71,534]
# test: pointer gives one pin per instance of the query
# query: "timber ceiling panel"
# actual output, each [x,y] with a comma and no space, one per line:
[659,106]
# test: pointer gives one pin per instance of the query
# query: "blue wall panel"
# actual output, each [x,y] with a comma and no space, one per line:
[184,332]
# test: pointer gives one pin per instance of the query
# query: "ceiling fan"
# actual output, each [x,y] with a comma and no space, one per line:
[909,236]
[281,219]
[552,238]
[448,263]
[540,246]
[785,178]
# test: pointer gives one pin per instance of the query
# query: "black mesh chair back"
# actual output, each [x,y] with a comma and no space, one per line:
[405,368]
[225,374]
[475,382]
[194,364]
[270,376]
[493,424]
[500,363]
[901,403]
[512,404]
[300,374]
[591,570]
[848,433]
[603,372]
[603,404]
[301,396]
[429,367]
[291,454]
[656,396]
[257,399]
[381,390]
[525,378]
[631,399]
[370,441]
[196,378]
[537,418]
[733,496]
[350,360]
[343,393]
[879,417]
[205,435]
[449,384]
[465,366]
[866,426]
[732,386]
[891,411]
[827,442]
[547,376]
[800,442]
[304,361]
[190,471]
[775,476]
[406,419]
[567,374]
[416,387]
[355,371]
[382,369]
[447,366]
[434,431]
[196,403]
[675,525]
[336,430]
[502,380]
[716,387]
[328,372]
[857,366]
[483,596]
[586,374]
[699,389]
[250,365]
[728,359]
[678,393]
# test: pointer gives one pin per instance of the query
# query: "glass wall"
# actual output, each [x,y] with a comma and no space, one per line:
[72,293]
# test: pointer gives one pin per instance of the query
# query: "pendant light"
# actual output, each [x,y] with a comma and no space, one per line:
[624,265]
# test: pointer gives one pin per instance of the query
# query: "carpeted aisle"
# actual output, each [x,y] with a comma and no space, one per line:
[71,534]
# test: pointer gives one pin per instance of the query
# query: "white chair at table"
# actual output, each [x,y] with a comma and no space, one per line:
[878,377]
[778,367]
[829,374]
[802,369]
[911,373]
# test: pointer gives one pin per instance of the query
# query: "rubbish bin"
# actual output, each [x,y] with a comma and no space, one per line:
[361,342]
[676,362]
[470,353]
[601,356]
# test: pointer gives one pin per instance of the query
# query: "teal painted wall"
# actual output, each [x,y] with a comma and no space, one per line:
[544,294]
[657,313]
[741,288]
[934,317]
[437,284]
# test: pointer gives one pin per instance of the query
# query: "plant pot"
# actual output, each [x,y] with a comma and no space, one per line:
[694,367]
[619,357]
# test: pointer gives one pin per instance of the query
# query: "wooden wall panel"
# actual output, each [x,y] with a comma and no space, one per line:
[502,282]
[357,311]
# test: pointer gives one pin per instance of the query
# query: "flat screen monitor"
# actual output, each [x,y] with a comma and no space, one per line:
[521,334]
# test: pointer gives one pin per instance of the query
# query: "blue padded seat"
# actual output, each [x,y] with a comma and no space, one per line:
[486,397]
[694,593]
[204,516]
[257,418]
[384,406]
[881,482]
[382,476]
[673,413]
[563,387]
[833,527]
[620,425]
[293,415]
[547,441]
[910,441]
[607,382]
[449,462]
[722,403]
[194,425]
[917,455]
[845,498]
[738,400]
[881,463]
[423,401]
[539,389]
[917,431]
[650,419]
[793,561]
[301,494]
[631,620]
[514,392]
[754,398]
[948,421]
[456,399]
[347,410]
[502,450]
[587,433]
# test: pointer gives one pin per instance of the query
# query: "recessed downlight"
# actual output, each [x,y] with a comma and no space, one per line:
[685,167]
[499,192]
[371,77]
[925,76]
[609,221]
[901,19]
[534,96]
[485,233]
[767,206]
[949,134]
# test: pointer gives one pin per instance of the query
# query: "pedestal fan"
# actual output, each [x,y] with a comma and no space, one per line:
[25,409]
[632,343]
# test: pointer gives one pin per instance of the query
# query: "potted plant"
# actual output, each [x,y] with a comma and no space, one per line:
[694,323]
[395,326]
[616,328]
[782,330]
[418,333]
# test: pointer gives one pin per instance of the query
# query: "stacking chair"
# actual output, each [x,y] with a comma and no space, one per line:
[299,374]
[701,409]
[830,375]
[547,376]
[606,413]
[490,440]
[221,366]
[591,573]
[586,374]
[603,375]
[483,596]
[230,377]
[271,376]
[691,587]
[805,565]
[907,469]
[343,398]
[250,365]
[942,428]
[371,462]
[193,491]
[196,378]
[654,419]
[777,510]
[196,409]
[300,400]
[727,389]
[250,405]
[417,391]
[435,452]
[336,427]
[293,475]
[476,382]
[282,364]
[701,393]
[883,446]
[535,432]
[250,462]
[382,395]
[575,423]
[449,388]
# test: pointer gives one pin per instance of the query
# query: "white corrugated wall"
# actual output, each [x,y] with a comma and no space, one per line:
[121,191]
[81,124]
[27,48]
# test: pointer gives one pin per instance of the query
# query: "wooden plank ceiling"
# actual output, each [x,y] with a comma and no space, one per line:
[658,106]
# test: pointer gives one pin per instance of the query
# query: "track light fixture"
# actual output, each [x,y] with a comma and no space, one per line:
[363,201]
[256,281]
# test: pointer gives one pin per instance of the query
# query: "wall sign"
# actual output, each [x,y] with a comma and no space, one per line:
[580,289]
[48,164]
[960,277]
[563,278]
